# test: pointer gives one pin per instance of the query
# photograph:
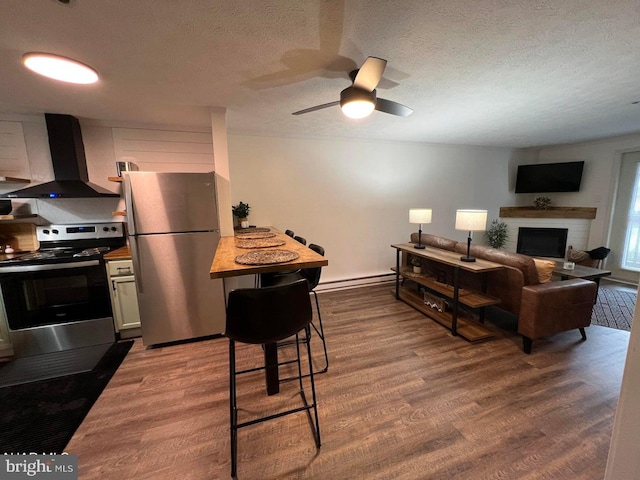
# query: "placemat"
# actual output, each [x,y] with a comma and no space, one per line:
[253,236]
[252,230]
[266,257]
[260,243]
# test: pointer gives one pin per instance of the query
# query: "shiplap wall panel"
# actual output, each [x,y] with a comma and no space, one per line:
[14,161]
[164,150]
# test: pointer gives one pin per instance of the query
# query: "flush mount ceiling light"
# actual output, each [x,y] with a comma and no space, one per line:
[357,103]
[59,68]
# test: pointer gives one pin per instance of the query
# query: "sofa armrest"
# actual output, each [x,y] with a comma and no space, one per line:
[553,307]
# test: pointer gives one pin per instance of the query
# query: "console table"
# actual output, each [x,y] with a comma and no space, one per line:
[459,324]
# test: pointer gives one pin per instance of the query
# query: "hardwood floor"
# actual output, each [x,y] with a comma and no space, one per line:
[402,399]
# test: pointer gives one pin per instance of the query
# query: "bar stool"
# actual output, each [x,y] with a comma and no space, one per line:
[266,279]
[312,275]
[268,315]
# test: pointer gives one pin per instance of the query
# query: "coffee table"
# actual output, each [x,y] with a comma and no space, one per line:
[580,271]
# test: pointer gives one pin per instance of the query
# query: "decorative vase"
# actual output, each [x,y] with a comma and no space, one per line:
[244,223]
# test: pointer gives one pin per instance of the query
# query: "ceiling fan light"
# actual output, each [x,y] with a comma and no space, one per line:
[357,103]
[60,68]
[358,108]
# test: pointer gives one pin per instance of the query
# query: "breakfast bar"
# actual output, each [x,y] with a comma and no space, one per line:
[225,266]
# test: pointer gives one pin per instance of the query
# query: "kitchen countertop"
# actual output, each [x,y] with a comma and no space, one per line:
[122,253]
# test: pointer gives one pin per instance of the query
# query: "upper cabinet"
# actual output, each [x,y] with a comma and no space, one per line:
[14,163]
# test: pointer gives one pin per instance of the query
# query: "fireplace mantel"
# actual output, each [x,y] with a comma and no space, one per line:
[587,213]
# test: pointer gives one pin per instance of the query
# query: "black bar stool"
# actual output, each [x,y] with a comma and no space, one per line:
[263,316]
[312,275]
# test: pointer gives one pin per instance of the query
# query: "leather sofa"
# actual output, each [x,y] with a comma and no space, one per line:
[542,309]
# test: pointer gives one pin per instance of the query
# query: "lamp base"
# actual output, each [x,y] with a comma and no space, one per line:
[468,259]
[421,247]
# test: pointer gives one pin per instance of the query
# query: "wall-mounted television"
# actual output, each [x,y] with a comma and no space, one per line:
[549,177]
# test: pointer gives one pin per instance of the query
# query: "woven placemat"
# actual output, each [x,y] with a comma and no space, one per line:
[266,257]
[251,230]
[260,243]
[253,236]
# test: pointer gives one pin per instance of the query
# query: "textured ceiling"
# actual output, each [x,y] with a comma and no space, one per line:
[512,73]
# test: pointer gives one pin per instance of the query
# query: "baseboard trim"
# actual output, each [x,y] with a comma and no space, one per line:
[355,282]
[619,280]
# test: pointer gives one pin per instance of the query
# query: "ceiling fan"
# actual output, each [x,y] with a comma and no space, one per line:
[359,100]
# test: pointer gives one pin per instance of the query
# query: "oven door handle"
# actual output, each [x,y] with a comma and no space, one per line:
[49,266]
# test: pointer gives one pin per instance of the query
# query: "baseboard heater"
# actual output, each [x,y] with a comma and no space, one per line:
[356,282]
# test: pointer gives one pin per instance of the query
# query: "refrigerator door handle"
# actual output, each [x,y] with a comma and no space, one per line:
[135,260]
[128,200]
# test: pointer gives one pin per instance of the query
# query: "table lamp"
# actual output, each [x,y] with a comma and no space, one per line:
[420,216]
[471,221]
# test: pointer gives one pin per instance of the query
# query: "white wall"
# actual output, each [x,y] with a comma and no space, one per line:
[353,196]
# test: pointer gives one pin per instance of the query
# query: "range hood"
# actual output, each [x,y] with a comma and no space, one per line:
[69,164]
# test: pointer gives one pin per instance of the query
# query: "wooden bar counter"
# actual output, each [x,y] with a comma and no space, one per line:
[224,264]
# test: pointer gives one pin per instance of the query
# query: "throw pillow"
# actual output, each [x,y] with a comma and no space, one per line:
[577,255]
[599,253]
[545,269]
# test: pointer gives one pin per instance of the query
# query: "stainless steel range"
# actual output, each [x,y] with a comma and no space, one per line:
[57,298]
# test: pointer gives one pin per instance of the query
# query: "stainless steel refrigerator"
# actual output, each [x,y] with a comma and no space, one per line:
[173,229]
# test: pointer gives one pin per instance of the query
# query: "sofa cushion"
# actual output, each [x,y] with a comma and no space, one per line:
[545,269]
[434,241]
[524,263]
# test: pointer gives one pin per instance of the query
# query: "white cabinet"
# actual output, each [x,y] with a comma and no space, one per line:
[6,350]
[124,297]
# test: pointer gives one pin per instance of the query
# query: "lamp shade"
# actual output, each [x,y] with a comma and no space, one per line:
[420,215]
[471,220]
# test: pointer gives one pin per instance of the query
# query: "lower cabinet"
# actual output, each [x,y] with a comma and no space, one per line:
[124,298]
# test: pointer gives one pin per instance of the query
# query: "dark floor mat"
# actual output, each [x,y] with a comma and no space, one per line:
[41,417]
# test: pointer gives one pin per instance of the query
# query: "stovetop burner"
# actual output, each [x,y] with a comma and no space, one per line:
[92,251]
[70,243]
[43,256]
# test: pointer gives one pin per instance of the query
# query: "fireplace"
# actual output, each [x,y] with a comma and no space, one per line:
[542,242]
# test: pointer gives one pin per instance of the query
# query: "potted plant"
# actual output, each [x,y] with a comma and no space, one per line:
[497,235]
[417,266]
[242,212]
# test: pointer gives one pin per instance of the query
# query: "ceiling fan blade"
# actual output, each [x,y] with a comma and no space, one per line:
[370,74]
[317,107]
[387,106]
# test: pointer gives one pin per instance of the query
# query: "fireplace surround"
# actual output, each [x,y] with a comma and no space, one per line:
[542,242]
[576,219]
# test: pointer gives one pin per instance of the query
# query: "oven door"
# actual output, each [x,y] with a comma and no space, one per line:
[38,295]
